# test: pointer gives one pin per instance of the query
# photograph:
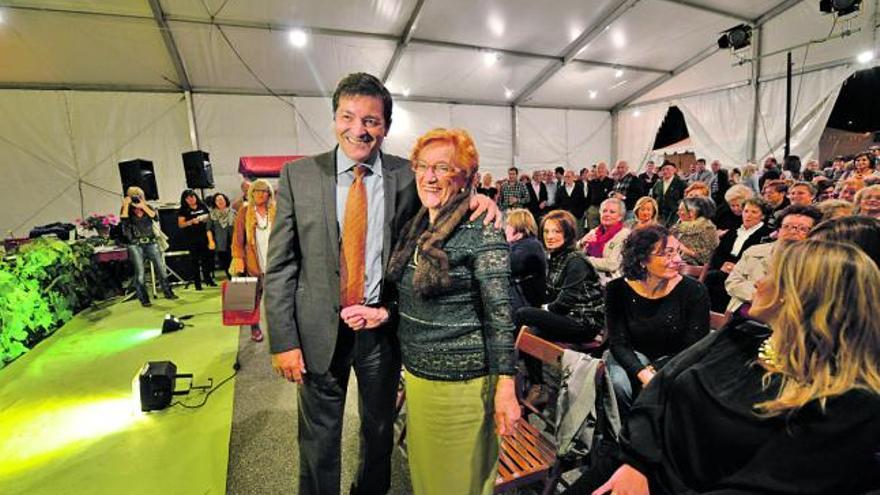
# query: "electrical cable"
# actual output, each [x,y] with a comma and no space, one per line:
[208,393]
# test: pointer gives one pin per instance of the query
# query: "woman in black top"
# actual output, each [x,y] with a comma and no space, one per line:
[652,312]
[528,262]
[573,312]
[192,218]
[787,404]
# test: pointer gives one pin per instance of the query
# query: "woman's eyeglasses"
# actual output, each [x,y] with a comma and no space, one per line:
[668,253]
[440,169]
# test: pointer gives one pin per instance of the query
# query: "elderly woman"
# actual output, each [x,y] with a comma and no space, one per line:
[729,213]
[528,262]
[652,313]
[696,233]
[573,312]
[793,397]
[867,201]
[604,244]
[730,248]
[139,223]
[220,223]
[192,219]
[646,213]
[456,336]
[250,238]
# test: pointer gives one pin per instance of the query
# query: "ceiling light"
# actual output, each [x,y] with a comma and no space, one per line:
[593,94]
[496,25]
[489,58]
[865,57]
[405,92]
[736,37]
[839,7]
[298,38]
[618,73]
[508,93]
[618,39]
[637,113]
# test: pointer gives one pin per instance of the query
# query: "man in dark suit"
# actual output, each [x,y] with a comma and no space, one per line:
[570,195]
[537,194]
[668,192]
[307,274]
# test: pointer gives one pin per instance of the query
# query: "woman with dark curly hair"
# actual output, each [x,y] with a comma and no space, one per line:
[652,312]
[192,220]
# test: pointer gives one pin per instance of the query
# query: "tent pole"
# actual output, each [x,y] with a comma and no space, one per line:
[514,131]
[614,121]
[191,119]
[788,106]
[756,94]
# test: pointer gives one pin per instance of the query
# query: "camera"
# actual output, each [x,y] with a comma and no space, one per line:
[135,199]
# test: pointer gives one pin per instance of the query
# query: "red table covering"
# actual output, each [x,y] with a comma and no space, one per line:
[264,166]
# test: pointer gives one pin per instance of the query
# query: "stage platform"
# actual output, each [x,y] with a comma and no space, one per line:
[69,422]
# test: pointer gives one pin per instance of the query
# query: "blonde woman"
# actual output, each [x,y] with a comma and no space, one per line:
[139,229]
[250,238]
[793,395]
[646,213]
[750,178]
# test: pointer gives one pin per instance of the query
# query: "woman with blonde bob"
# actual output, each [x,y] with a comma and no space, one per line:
[793,396]
[528,261]
[646,213]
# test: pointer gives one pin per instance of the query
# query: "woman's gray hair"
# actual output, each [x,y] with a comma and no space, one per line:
[738,192]
[620,205]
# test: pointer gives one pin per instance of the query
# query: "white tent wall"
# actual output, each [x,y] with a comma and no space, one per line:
[547,138]
[636,131]
[60,151]
[718,124]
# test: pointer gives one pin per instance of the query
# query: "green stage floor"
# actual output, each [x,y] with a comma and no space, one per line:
[69,423]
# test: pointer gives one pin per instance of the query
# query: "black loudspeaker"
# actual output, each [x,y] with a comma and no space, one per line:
[197,167]
[139,173]
[168,223]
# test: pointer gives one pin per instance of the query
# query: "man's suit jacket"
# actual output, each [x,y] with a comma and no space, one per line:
[574,203]
[536,199]
[302,279]
[668,203]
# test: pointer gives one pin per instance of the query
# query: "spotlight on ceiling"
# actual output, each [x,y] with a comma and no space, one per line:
[839,7]
[508,93]
[154,385]
[171,324]
[405,92]
[865,57]
[593,94]
[298,38]
[489,58]
[618,73]
[736,38]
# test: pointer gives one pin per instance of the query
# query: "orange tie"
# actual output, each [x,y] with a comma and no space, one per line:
[354,242]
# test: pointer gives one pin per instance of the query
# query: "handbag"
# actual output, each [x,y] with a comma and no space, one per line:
[241,301]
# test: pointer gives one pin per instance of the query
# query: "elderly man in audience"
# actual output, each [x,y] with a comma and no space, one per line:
[513,194]
[801,193]
[794,225]
[537,194]
[552,180]
[729,213]
[668,191]
[604,244]
[627,188]
[598,189]
[720,182]
[571,198]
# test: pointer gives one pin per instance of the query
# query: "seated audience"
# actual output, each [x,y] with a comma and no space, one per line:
[528,262]
[867,201]
[646,213]
[730,248]
[574,308]
[849,188]
[835,208]
[139,226]
[604,243]
[864,232]
[652,312]
[801,193]
[775,194]
[729,213]
[795,224]
[696,233]
[748,410]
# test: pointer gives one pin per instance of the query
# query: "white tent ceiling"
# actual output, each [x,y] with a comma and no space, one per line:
[571,82]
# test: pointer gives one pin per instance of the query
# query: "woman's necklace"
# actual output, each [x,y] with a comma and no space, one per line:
[767,354]
[262,221]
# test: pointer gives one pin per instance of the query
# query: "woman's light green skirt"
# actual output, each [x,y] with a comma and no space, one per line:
[451,442]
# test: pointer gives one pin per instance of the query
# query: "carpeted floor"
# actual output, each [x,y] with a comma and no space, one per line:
[263,454]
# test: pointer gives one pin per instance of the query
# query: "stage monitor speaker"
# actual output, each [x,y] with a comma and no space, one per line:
[168,223]
[139,173]
[197,167]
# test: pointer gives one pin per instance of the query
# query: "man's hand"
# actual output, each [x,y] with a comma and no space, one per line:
[359,317]
[542,205]
[507,410]
[728,267]
[289,365]
[483,204]
[625,481]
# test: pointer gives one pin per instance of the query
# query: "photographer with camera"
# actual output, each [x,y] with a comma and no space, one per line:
[192,218]
[139,232]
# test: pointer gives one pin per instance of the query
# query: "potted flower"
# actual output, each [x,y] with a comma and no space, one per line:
[97,224]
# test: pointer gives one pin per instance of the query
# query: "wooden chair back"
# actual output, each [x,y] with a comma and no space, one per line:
[694,271]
